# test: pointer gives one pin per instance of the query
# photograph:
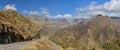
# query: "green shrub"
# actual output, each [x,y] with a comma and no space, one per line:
[111,46]
[93,49]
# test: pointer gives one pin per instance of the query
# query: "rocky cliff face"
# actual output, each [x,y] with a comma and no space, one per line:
[9,34]
[96,33]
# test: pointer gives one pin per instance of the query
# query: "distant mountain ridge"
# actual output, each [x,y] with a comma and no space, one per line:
[96,33]
[48,27]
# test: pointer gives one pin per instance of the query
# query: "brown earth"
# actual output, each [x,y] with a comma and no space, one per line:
[39,45]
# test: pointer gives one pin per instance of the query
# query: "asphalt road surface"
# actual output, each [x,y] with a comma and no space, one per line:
[15,46]
[21,45]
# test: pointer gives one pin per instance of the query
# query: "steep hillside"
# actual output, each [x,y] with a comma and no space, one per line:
[19,23]
[39,45]
[9,34]
[48,27]
[51,27]
[41,21]
[98,33]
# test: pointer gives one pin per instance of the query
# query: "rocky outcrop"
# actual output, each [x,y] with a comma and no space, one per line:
[9,34]
[15,27]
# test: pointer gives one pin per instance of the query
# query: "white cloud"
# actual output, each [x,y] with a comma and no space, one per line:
[113,7]
[25,11]
[64,16]
[44,11]
[33,13]
[10,7]
[117,14]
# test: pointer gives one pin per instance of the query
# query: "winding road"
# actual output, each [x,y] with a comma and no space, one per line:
[21,45]
[15,46]
[54,46]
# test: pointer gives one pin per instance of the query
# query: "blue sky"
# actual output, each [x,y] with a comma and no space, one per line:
[53,7]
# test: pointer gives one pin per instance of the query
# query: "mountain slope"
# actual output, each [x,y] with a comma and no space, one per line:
[48,27]
[18,22]
[97,33]
[51,27]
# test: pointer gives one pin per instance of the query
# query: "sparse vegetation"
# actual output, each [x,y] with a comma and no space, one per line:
[93,49]
[98,30]
[23,25]
[39,45]
[111,46]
